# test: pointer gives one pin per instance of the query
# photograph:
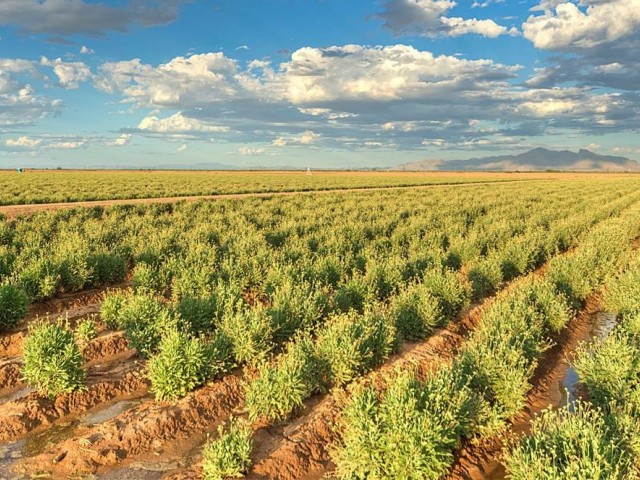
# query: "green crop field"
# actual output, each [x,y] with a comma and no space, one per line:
[385,332]
[48,186]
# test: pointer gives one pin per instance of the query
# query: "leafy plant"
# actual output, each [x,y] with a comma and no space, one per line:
[409,432]
[485,277]
[84,332]
[198,313]
[13,306]
[143,316]
[108,268]
[251,333]
[111,308]
[184,363]
[230,454]
[52,359]
[281,387]
[581,445]
[416,312]
[351,344]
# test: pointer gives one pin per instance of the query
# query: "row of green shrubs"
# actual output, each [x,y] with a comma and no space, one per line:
[599,438]
[374,242]
[219,323]
[308,366]
[412,430]
[248,335]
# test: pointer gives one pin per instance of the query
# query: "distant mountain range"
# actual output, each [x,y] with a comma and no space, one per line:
[538,159]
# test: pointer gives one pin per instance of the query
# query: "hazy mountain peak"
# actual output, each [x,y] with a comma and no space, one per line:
[536,159]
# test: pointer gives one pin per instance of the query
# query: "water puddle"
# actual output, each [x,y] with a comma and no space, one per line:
[37,443]
[156,465]
[603,325]
[34,444]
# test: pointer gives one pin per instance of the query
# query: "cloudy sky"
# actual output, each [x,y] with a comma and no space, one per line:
[319,83]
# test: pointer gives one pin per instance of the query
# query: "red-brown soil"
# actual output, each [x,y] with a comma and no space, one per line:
[26,414]
[139,430]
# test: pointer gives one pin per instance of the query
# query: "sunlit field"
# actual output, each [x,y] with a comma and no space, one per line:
[47,186]
[363,334]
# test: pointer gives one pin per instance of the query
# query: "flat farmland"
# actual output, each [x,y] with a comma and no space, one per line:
[463,331]
[58,186]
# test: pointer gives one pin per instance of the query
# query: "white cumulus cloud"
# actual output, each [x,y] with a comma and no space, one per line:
[427,17]
[178,123]
[23,142]
[569,26]
[70,74]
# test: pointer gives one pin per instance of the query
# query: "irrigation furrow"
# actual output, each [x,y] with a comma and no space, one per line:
[479,460]
[33,411]
[139,430]
[74,306]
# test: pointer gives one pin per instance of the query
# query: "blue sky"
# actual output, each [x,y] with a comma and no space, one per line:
[319,83]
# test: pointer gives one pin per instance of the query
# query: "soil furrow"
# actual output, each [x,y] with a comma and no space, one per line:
[139,430]
[26,414]
[74,306]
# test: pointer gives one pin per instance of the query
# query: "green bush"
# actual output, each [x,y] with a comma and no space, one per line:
[610,369]
[108,268]
[52,359]
[198,313]
[572,276]
[251,332]
[143,316]
[352,295]
[623,295]
[485,278]
[75,272]
[13,306]
[295,308]
[84,332]
[281,387]
[448,288]
[517,258]
[145,277]
[184,363]
[351,344]
[581,445]
[229,455]
[382,277]
[410,432]
[113,303]
[416,313]
[40,279]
